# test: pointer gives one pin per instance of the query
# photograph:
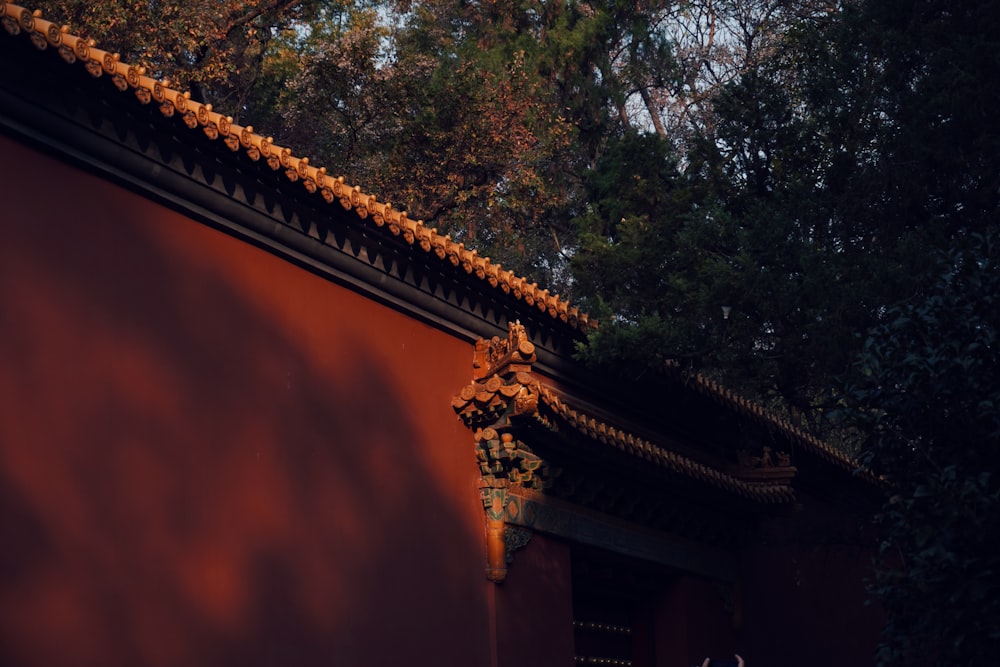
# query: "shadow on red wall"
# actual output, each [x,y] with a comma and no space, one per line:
[209,456]
[804,593]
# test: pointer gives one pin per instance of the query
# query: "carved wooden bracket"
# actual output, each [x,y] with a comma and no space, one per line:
[503,388]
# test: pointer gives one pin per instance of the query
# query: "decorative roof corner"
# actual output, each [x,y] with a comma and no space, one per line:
[504,356]
[516,419]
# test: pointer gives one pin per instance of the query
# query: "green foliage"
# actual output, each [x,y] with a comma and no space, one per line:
[214,48]
[930,402]
[645,238]
[830,172]
[745,226]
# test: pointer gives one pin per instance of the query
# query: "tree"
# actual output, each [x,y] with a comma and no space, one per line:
[439,111]
[827,168]
[480,118]
[212,47]
[929,401]
[744,225]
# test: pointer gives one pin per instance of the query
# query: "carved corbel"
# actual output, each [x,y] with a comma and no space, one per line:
[502,389]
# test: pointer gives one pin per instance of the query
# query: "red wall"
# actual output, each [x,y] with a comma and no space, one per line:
[535,606]
[692,622]
[804,600]
[209,456]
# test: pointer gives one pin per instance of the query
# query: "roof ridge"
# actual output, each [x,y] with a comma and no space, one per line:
[98,62]
[750,408]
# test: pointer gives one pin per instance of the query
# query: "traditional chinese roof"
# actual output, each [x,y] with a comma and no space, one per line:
[315,180]
[552,412]
[370,218]
[527,433]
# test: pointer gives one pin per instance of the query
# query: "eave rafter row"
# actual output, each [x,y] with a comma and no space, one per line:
[660,457]
[171,102]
